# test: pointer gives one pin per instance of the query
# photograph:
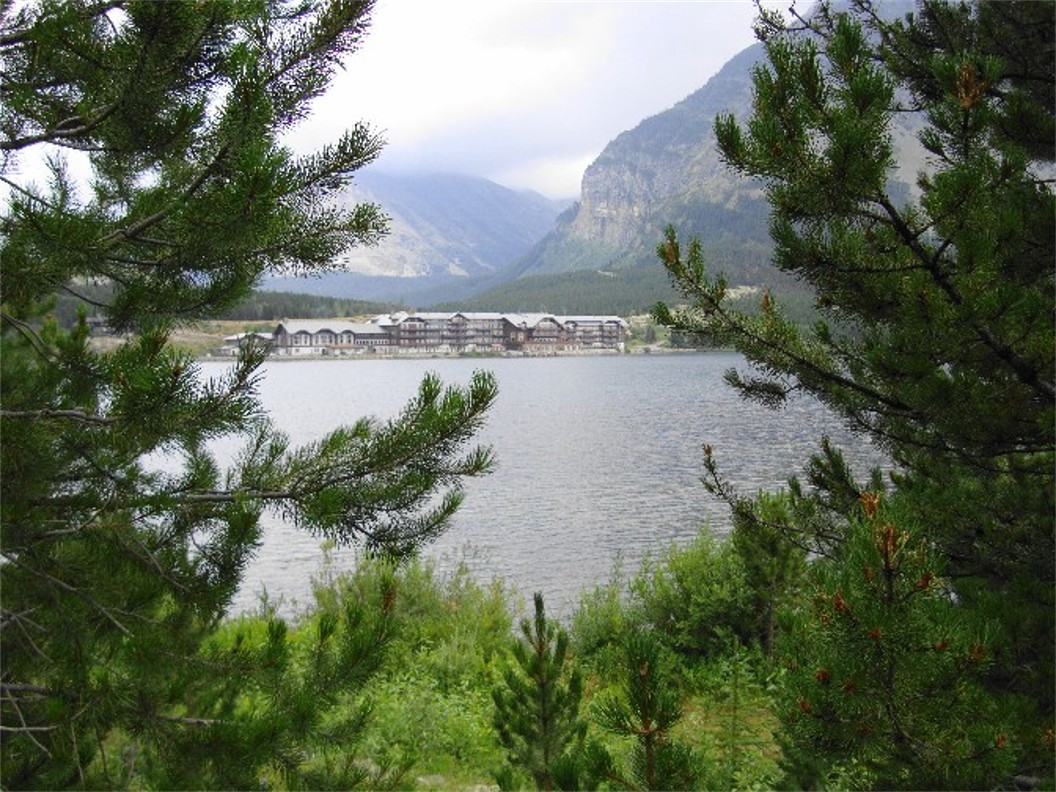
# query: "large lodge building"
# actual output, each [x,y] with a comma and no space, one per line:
[445,333]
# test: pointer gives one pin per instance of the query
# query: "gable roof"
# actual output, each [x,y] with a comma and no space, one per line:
[313,326]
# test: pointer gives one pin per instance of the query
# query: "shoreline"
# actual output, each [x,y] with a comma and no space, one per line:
[644,351]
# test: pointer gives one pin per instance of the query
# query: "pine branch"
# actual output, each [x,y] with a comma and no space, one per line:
[64,586]
[79,416]
[133,231]
[733,323]
[67,129]
[28,193]
[1025,371]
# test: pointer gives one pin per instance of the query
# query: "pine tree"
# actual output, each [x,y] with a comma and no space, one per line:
[774,567]
[646,708]
[122,539]
[887,678]
[937,303]
[278,706]
[537,706]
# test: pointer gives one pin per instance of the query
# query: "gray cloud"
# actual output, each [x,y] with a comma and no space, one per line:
[526,93]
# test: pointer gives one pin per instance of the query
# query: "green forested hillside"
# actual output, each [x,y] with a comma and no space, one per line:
[621,292]
[269,305]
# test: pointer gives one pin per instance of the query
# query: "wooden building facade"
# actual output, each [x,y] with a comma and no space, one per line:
[438,333]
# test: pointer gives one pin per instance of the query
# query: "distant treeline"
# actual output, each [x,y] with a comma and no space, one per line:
[269,305]
[260,306]
[621,292]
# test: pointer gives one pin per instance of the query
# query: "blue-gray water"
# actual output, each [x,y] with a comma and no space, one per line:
[597,458]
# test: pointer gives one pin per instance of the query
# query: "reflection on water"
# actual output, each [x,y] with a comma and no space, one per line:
[597,458]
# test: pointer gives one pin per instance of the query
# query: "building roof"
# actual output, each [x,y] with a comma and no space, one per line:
[294,326]
[586,319]
[234,339]
[525,320]
[530,319]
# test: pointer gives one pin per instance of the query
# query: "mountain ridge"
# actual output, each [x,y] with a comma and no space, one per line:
[443,228]
[666,170]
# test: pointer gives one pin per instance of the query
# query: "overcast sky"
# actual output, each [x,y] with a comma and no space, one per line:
[524,92]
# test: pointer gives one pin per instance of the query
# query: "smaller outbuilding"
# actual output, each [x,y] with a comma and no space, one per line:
[233,343]
[328,337]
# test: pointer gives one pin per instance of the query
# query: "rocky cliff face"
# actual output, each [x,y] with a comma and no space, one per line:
[665,170]
[667,156]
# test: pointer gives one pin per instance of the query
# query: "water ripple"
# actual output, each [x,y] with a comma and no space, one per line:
[598,458]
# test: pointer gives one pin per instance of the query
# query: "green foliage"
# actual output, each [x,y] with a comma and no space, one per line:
[273,306]
[935,338]
[286,703]
[419,723]
[888,672]
[729,718]
[396,467]
[123,540]
[430,702]
[600,621]
[774,568]
[696,596]
[617,291]
[537,704]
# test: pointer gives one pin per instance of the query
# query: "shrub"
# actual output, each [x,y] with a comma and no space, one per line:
[430,702]
[697,597]
[599,623]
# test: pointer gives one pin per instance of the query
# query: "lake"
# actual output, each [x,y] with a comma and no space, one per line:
[599,458]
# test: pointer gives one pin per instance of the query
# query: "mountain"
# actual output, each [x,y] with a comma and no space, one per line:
[460,241]
[667,170]
[444,229]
